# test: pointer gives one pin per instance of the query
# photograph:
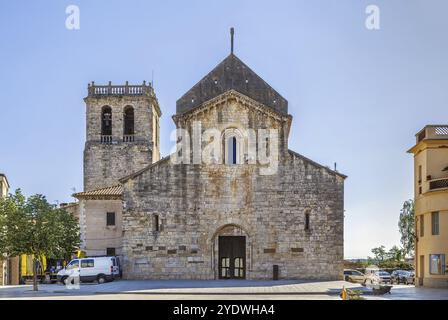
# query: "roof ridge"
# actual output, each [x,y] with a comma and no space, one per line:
[137,173]
[316,164]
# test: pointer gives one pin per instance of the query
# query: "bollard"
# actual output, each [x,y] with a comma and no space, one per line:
[344,293]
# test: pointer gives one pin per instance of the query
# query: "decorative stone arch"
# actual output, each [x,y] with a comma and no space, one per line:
[231,229]
[233,155]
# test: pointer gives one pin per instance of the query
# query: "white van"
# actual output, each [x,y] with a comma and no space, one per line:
[99,269]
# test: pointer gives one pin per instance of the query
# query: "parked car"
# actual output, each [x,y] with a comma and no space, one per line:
[99,269]
[410,278]
[398,276]
[353,275]
[376,277]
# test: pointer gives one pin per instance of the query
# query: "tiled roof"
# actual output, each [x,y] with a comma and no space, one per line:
[108,192]
[232,74]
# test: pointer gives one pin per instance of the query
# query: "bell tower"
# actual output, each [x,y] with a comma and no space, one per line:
[122,132]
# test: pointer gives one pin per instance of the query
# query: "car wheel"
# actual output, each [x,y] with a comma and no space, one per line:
[101,279]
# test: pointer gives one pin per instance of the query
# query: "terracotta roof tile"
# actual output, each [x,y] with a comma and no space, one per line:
[108,192]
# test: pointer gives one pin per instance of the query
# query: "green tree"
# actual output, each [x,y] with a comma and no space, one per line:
[33,226]
[406,227]
[395,254]
[379,254]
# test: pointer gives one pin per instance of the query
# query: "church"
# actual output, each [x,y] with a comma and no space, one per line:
[234,216]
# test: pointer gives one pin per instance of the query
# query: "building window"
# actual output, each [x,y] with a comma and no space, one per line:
[106,121]
[128,120]
[307,221]
[437,264]
[238,268]
[435,223]
[268,153]
[110,220]
[231,150]
[419,174]
[233,146]
[156,223]
[422,225]
[110,252]
[225,267]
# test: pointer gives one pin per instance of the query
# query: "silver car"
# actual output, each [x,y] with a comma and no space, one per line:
[377,277]
[351,275]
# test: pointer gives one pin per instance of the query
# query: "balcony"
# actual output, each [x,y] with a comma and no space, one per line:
[120,90]
[433,132]
[437,184]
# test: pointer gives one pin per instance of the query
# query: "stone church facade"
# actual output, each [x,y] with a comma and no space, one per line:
[218,220]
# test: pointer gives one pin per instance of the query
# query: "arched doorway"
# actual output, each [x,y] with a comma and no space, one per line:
[232,257]
[231,249]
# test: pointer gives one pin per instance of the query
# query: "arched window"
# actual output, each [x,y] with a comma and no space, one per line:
[106,121]
[128,121]
[231,150]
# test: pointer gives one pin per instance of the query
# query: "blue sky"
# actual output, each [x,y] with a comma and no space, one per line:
[357,96]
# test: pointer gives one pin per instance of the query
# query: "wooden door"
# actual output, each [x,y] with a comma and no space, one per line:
[232,257]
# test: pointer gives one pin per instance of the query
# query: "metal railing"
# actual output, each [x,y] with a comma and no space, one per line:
[441,183]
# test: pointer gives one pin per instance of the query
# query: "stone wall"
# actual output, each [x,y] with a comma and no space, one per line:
[104,164]
[194,204]
[96,236]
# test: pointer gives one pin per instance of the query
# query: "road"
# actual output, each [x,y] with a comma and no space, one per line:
[213,290]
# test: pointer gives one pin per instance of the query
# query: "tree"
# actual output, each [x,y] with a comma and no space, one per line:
[35,227]
[395,254]
[406,227]
[379,254]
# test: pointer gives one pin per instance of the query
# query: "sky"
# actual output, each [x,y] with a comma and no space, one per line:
[357,96]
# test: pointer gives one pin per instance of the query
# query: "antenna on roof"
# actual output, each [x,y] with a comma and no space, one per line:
[232,32]
[152,78]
